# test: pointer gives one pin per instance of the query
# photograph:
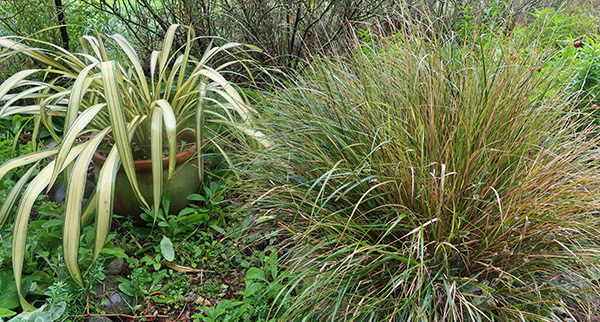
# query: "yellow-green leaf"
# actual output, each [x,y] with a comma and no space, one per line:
[156,152]
[105,190]
[74,196]
[117,120]
[74,131]
[37,185]
[171,130]
[14,193]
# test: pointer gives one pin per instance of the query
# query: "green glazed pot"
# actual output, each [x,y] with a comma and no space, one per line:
[185,181]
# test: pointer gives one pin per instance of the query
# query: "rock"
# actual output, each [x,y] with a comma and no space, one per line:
[115,267]
[113,301]
[89,188]
[116,303]
[98,319]
[60,192]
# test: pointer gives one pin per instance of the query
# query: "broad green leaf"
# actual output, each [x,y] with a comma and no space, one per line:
[196,197]
[127,289]
[4,313]
[253,288]
[117,119]
[218,229]
[166,249]
[9,298]
[255,273]
[74,197]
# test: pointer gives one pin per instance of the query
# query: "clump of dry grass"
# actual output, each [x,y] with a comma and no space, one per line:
[429,180]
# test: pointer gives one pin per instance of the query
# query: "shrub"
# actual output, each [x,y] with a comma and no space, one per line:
[430,180]
[286,30]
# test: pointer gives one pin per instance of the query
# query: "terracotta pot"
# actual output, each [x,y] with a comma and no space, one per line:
[184,182]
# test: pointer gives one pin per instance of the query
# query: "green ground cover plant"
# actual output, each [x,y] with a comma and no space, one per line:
[428,179]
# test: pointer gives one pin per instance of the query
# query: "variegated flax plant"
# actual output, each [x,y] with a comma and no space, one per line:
[427,179]
[108,99]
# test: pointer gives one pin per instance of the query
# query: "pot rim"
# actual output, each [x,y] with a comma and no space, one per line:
[180,157]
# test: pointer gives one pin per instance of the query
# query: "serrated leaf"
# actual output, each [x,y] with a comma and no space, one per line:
[255,273]
[253,288]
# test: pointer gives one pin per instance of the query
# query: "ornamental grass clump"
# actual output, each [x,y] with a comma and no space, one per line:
[429,180]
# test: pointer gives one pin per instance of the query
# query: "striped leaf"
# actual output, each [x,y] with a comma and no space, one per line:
[74,196]
[12,196]
[117,118]
[157,155]
[171,129]
[105,190]
[135,62]
[74,131]
[37,185]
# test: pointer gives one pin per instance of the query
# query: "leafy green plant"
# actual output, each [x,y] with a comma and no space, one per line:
[586,66]
[262,285]
[43,314]
[107,96]
[225,311]
[9,299]
[141,282]
[430,181]
[45,277]
[574,54]
[213,209]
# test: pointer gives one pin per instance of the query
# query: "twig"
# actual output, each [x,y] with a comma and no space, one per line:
[134,317]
